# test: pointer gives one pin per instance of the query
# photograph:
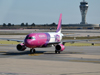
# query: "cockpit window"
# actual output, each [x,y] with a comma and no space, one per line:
[30,38]
[26,37]
[33,38]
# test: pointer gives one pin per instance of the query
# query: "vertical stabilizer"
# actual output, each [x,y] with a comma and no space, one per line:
[59,24]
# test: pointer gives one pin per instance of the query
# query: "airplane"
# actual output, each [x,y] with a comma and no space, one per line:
[45,39]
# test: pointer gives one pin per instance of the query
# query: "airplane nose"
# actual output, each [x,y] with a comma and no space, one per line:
[27,42]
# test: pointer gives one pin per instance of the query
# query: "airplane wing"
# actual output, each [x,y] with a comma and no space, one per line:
[72,41]
[53,43]
[12,40]
[66,35]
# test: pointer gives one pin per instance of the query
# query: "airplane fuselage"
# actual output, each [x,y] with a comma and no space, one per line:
[34,40]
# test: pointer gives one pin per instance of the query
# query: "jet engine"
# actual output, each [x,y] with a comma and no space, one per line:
[60,47]
[21,47]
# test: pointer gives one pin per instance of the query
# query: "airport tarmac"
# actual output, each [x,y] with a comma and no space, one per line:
[74,60]
[83,32]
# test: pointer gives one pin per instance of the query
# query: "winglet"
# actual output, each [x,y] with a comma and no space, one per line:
[59,24]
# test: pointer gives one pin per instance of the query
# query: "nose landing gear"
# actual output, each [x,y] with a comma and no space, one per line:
[57,52]
[32,51]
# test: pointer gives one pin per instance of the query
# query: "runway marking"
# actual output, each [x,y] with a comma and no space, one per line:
[36,54]
[85,61]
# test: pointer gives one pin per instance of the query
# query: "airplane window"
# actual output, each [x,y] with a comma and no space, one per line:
[30,38]
[27,37]
[33,38]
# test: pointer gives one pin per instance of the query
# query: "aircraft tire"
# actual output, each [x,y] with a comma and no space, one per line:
[32,51]
[55,52]
[58,52]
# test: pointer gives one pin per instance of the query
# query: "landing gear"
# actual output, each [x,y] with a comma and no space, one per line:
[57,52]
[32,51]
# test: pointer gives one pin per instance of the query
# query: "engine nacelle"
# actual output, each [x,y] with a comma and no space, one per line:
[21,47]
[60,47]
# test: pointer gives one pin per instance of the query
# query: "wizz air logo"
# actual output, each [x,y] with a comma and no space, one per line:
[57,38]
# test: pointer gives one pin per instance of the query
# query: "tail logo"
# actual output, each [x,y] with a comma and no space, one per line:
[57,38]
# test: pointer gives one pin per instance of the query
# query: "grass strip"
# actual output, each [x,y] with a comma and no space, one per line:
[8,42]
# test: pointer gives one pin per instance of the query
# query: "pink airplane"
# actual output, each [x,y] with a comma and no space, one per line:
[36,40]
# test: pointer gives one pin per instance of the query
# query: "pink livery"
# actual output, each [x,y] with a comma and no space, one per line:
[35,40]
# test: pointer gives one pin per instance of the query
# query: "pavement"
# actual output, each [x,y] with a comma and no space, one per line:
[80,32]
[41,67]
[74,60]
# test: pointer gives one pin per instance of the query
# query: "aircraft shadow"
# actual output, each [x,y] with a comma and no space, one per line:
[64,52]
[21,53]
[38,52]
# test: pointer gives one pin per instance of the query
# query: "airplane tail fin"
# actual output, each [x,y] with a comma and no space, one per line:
[59,24]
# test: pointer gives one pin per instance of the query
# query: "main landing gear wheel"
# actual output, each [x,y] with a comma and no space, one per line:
[32,51]
[57,52]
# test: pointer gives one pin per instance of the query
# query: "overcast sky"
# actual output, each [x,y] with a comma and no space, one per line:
[47,11]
